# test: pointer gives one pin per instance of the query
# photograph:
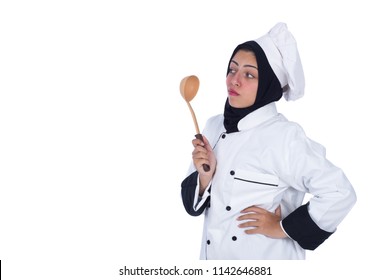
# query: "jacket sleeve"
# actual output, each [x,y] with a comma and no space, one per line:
[301,227]
[193,203]
[332,194]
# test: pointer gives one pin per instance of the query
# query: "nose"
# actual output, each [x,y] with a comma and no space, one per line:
[235,81]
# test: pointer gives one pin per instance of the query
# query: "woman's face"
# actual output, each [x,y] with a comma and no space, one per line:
[242,79]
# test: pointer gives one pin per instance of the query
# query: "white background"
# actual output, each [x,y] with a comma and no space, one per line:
[95,138]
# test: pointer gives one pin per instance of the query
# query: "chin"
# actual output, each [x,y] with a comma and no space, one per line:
[235,104]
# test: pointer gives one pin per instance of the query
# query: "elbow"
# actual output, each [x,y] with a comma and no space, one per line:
[350,198]
[353,197]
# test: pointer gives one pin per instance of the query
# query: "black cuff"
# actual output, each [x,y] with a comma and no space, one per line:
[300,227]
[188,187]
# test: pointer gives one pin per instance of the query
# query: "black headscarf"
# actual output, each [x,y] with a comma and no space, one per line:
[268,90]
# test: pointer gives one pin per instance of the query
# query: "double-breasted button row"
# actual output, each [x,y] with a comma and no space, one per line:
[234,238]
[228,208]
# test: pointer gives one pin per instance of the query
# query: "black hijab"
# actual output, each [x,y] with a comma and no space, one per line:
[268,90]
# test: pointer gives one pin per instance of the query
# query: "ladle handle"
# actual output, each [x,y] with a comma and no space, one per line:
[206,167]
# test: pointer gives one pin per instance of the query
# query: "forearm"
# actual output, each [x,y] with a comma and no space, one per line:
[204,182]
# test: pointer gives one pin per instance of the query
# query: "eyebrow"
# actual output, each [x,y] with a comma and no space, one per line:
[246,65]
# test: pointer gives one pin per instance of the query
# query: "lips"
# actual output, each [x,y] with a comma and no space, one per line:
[232,92]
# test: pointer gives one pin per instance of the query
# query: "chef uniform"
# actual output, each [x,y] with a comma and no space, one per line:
[267,161]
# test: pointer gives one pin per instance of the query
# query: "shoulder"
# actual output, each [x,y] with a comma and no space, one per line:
[213,128]
[213,124]
[283,127]
[292,135]
[214,121]
[297,140]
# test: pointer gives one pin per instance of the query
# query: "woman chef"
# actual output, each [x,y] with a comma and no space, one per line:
[262,165]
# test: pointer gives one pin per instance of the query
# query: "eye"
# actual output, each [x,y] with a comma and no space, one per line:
[232,71]
[249,75]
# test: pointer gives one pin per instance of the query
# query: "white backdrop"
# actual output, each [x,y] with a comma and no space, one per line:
[95,138]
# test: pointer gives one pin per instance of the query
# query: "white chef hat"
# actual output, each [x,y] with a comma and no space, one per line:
[281,50]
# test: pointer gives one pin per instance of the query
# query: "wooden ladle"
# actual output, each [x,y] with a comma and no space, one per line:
[188,88]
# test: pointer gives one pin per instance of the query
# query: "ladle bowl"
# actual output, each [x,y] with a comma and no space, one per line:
[189,87]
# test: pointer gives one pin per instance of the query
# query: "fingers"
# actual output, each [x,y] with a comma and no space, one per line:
[248,217]
[254,224]
[200,154]
[261,221]
[253,217]
[199,162]
[206,142]
[251,224]
[197,142]
[203,155]
[201,149]
[278,210]
[251,231]
[256,215]
[254,209]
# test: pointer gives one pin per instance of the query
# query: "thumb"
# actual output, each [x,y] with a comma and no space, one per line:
[206,142]
[278,211]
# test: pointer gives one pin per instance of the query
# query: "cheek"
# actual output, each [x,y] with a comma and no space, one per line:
[228,80]
[252,93]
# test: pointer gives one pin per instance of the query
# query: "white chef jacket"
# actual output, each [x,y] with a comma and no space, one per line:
[267,163]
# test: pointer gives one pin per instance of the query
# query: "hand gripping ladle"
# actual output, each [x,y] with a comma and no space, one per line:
[188,88]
